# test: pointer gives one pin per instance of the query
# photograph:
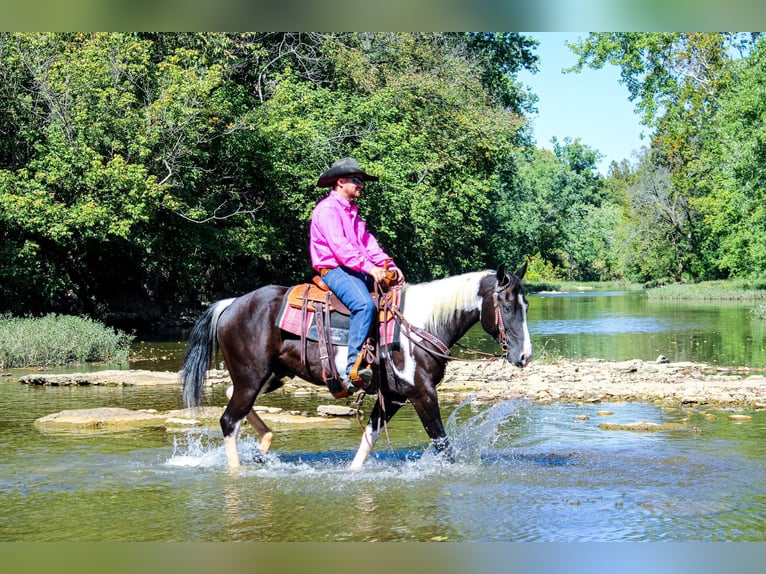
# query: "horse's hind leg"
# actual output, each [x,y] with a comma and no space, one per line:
[240,406]
[265,436]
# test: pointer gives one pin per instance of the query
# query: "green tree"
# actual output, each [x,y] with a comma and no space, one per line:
[558,209]
[678,81]
[732,194]
[165,170]
[656,226]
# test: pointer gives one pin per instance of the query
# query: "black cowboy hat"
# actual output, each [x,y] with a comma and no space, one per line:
[346,166]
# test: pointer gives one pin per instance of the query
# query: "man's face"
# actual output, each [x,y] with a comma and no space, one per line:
[350,187]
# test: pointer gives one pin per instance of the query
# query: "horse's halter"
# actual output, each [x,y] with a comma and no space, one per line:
[502,331]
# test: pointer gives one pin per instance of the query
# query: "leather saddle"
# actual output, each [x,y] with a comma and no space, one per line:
[314,295]
[317,296]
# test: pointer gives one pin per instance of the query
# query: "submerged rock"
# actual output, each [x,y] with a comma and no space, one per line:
[336,411]
[99,419]
[117,419]
[740,418]
[642,426]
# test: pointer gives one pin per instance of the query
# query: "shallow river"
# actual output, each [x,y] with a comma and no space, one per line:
[524,472]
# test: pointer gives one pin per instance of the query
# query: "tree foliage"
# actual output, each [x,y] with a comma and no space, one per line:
[697,204]
[167,169]
[144,174]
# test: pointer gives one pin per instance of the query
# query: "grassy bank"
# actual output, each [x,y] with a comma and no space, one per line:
[732,290]
[745,290]
[540,286]
[59,340]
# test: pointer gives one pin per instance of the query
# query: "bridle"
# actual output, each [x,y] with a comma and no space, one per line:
[502,331]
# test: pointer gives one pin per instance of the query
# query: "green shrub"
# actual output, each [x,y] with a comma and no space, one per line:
[59,340]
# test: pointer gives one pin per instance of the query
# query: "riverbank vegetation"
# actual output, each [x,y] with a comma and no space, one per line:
[59,340]
[732,290]
[143,175]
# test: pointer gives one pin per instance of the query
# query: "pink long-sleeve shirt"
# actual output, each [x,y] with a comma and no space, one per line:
[339,237]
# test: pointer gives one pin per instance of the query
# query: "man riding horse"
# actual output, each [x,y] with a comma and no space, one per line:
[348,257]
[259,353]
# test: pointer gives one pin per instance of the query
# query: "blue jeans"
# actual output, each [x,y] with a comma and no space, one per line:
[351,287]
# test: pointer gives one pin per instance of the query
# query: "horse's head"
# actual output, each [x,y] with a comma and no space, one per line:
[504,314]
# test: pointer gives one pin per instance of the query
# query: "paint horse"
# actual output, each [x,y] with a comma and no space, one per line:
[259,354]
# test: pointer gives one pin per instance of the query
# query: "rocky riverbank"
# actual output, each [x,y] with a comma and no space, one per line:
[672,384]
[681,385]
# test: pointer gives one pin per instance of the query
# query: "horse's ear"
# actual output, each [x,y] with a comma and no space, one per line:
[501,274]
[522,270]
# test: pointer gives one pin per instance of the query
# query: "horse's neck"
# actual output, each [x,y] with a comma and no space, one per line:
[446,308]
[459,325]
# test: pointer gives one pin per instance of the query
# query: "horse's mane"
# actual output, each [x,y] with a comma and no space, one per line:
[431,305]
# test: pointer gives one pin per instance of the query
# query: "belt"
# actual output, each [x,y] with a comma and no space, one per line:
[325,270]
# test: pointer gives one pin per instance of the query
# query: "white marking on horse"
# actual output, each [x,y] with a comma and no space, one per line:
[526,350]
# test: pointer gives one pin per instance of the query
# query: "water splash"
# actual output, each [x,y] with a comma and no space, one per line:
[197,448]
[476,433]
[473,435]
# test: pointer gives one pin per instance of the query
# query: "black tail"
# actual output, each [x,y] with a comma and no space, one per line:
[199,353]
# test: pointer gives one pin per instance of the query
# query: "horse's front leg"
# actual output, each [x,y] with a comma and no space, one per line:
[426,405]
[378,418]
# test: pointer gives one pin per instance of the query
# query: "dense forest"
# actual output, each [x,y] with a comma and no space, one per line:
[143,175]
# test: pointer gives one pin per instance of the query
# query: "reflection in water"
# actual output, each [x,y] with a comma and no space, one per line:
[605,325]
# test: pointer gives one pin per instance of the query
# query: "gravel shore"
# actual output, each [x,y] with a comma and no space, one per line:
[592,380]
[674,384]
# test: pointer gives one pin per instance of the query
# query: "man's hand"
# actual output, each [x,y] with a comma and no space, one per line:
[378,273]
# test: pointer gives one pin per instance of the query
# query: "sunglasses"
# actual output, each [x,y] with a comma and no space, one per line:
[357,181]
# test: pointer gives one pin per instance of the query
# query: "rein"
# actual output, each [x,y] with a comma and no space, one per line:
[441,349]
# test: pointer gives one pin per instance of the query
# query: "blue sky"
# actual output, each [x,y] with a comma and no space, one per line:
[591,106]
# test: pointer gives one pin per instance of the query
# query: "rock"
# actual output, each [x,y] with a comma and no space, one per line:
[740,418]
[118,419]
[662,359]
[642,426]
[336,411]
[129,378]
[99,419]
[106,378]
[627,366]
[182,422]
[589,380]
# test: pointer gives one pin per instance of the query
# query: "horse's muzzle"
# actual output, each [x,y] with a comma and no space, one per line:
[521,361]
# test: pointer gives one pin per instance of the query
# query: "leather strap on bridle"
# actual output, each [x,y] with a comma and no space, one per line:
[502,332]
